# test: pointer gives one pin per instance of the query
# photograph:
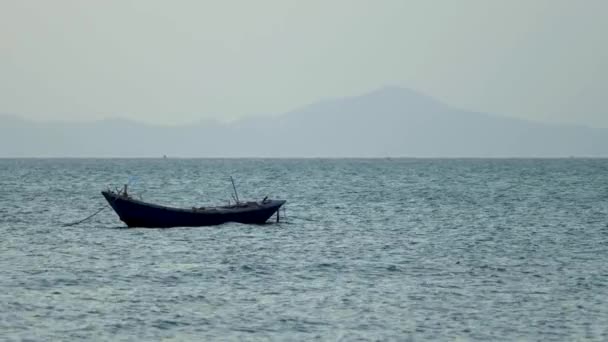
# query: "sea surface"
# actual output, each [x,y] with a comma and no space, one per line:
[379,250]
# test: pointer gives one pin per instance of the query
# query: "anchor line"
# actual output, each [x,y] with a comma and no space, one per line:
[85,219]
[279,214]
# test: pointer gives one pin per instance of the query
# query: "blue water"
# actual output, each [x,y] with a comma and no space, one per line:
[370,250]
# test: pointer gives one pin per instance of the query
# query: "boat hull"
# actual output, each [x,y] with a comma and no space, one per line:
[136,213]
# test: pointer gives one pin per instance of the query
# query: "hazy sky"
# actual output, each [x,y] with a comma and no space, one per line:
[183,61]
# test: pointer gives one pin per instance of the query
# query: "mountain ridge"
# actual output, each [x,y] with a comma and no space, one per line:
[388,122]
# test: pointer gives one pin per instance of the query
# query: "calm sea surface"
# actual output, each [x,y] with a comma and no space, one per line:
[402,250]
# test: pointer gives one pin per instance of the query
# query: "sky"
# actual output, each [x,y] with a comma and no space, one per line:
[174,62]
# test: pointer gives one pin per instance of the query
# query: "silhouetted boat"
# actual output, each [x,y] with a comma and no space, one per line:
[137,213]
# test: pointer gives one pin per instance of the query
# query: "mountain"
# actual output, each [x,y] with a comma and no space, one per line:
[391,121]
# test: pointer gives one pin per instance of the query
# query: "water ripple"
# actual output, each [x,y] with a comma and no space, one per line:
[401,250]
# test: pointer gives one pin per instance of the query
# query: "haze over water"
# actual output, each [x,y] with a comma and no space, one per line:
[379,249]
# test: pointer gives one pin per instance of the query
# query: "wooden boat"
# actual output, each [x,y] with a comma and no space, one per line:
[137,213]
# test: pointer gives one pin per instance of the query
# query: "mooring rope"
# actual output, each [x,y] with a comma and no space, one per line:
[89,217]
[279,219]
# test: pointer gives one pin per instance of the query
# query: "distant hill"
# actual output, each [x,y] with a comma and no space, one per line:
[389,122]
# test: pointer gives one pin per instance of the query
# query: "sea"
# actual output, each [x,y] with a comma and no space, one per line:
[366,250]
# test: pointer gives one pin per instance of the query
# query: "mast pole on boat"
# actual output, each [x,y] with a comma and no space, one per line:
[236,195]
